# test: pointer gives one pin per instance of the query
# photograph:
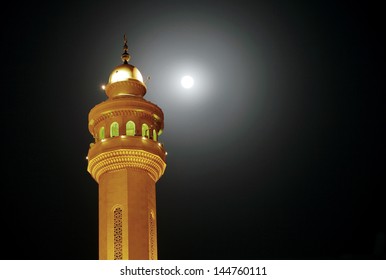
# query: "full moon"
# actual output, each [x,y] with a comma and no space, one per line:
[187,81]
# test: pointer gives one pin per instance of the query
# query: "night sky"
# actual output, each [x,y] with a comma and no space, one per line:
[277,152]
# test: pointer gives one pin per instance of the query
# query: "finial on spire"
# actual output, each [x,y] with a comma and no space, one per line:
[125,56]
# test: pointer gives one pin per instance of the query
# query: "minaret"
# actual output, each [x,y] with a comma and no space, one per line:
[126,160]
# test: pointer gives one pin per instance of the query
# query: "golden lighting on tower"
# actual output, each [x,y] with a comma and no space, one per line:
[126,160]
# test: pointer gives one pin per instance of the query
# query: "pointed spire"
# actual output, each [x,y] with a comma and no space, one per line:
[125,56]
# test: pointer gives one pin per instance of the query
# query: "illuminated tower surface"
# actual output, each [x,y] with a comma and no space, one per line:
[126,160]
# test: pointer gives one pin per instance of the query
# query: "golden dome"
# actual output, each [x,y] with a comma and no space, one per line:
[125,72]
[125,79]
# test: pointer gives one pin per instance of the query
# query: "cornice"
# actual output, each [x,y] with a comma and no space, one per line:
[126,158]
[125,107]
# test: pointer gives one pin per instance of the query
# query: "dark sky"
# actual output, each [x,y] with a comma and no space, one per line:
[277,152]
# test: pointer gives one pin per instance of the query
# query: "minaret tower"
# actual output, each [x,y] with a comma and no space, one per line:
[126,160]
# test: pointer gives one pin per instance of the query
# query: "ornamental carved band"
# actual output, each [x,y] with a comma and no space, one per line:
[118,234]
[126,158]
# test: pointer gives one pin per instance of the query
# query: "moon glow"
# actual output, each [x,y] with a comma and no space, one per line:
[187,82]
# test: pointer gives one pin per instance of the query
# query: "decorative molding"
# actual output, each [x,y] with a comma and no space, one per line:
[118,255]
[152,236]
[118,113]
[126,158]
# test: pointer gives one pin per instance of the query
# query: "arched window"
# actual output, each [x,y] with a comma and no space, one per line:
[145,130]
[118,233]
[114,129]
[154,135]
[130,128]
[152,237]
[102,133]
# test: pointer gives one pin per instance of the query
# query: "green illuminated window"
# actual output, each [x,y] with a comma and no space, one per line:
[114,129]
[145,130]
[130,128]
[102,133]
[154,135]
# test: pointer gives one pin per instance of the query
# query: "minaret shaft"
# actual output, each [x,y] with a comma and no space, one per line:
[127,215]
